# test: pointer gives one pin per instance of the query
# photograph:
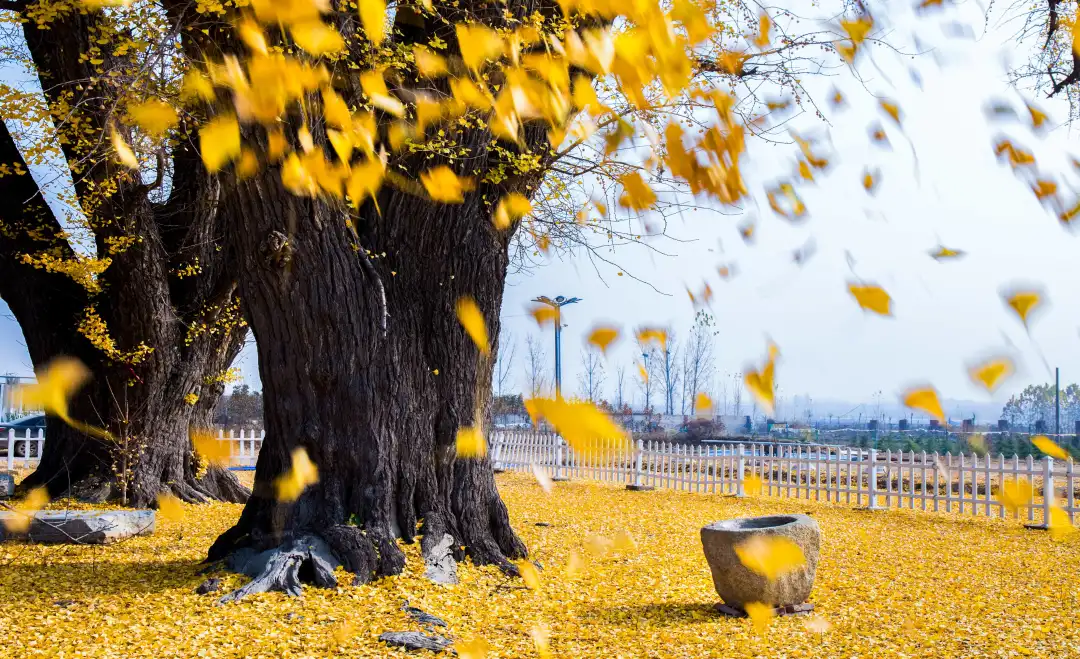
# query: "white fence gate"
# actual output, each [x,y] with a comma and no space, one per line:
[966,484]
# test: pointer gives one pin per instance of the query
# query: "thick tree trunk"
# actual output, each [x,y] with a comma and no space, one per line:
[365,366]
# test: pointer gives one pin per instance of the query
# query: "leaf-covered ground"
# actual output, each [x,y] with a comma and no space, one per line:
[890,584]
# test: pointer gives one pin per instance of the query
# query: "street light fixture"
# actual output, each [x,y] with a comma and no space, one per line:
[558,303]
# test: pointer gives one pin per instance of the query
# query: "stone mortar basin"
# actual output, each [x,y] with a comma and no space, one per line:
[738,585]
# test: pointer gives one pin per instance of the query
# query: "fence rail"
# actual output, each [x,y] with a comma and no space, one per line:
[965,484]
[22,447]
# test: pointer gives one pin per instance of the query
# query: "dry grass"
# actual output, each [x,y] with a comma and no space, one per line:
[891,584]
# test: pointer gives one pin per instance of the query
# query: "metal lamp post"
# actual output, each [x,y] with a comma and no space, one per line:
[558,303]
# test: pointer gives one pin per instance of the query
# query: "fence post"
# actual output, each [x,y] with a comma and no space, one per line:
[740,483]
[873,480]
[1048,489]
[639,458]
[11,449]
[559,449]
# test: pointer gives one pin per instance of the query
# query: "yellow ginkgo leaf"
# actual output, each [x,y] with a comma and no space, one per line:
[316,37]
[643,374]
[210,448]
[445,186]
[511,208]
[977,443]
[428,64]
[891,109]
[942,253]
[602,337]
[1058,523]
[771,556]
[574,564]
[1038,117]
[170,507]
[478,44]
[470,442]
[648,335]
[991,373]
[301,473]
[373,19]
[764,25]
[154,116]
[1047,446]
[1015,495]
[1023,303]
[598,546]
[925,399]
[542,479]
[872,298]
[56,383]
[703,405]
[544,314]
[623,541]
[584,427]
[475,648]
[124,154]
[760,614]
[529,574]
[219,142]
[637,195]
[816,625]
[541,639]
[761,383]
[35,500]
[857,29]
[753,485]
[470,317]
[252,36]
[870,181]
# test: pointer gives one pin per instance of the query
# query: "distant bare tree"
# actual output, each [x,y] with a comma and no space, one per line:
[535,367]
[736,395]
[620,387]
[504,362]
[648,368]
[591,379]
[698,357]
[671,375]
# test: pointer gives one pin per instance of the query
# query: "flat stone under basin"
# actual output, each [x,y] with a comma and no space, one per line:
[88,527]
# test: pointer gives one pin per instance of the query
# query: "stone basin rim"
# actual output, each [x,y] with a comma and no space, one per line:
[750,524]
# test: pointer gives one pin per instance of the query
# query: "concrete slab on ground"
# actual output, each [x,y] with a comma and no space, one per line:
[88,527]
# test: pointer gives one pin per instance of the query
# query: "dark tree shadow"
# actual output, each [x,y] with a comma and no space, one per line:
[662,614]
[69,581]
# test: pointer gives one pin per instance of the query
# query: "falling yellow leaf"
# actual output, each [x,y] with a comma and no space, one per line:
[872,298]
[760,614]
[624,542]
[124,154]
[925,399]
[373,18]
[529,574]
[1023,303]
[470,317]
[598,546]
[470,442]
[891,109]
[1015,495]
[35,500]
[541,639]
[977,444]
[542,479]
[252,36]
[154,116]
[637,195]
[703,406]
[1038,117]
[642,373]
[219,142]
[870,181]
[991,373]
[580,423]
[648,335]
[602,337]
[1058,523]
[476,648]
[343,632]
[512,207]
[478,44]
[428,64]
[771,556]
[942,253]
[210,448]
[816,625]
[1047,446]
[301,473]
[753,485]
[543,314]
[316,37]
[574,564]
[445,186]
[764,25]
[760,383]
[857,29]
[56,383]
[170,507]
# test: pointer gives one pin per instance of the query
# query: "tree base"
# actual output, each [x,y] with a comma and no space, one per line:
[218,484]
[786,610]
[640,488]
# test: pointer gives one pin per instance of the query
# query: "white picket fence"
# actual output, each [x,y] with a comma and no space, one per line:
[966,484]
[23,447]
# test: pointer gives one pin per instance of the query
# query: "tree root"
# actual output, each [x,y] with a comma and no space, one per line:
[306,558]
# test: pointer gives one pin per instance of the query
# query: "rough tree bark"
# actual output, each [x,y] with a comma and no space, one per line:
[366,367]
[141,299]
